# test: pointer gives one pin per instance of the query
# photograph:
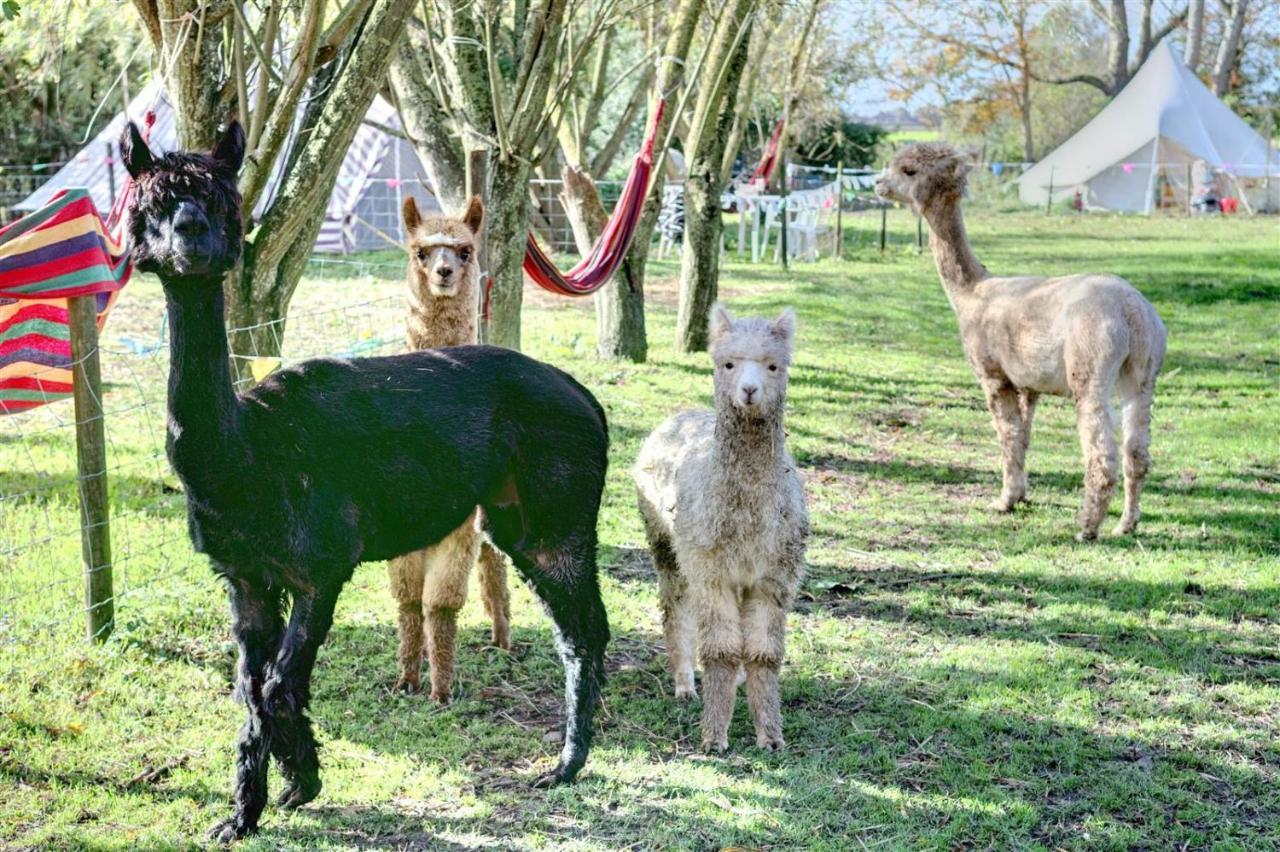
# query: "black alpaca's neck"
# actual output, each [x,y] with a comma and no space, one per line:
[204,410]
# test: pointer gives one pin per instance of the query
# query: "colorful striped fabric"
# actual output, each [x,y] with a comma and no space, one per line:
[62,250]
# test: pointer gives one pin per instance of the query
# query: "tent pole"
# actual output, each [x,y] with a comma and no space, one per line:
[1151,177]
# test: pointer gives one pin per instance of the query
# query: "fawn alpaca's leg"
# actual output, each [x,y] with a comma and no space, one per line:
[677,617]
[1137,459]
[1027,400]
[720,651]
[1097,439]
[764,627]
[493,590]
[256,624]
[407,574]
[1014,432]
[443,594]
[287,692]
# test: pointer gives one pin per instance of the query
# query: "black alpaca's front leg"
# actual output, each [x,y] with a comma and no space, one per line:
[256,624]
[288,692]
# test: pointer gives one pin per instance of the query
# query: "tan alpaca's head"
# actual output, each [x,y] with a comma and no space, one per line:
[752,356]
[923,175]
[442,252]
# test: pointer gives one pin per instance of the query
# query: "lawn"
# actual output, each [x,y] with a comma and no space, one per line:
[955,678]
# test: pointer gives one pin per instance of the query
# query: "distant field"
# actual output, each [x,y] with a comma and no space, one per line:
[913,135]
[956,679]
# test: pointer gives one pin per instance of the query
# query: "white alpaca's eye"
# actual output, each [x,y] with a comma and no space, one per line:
[728,365]
[773,368]
[909,172]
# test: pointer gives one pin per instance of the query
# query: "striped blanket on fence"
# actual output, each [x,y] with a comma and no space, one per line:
[64,249]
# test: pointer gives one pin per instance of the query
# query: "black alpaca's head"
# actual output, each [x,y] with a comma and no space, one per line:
[184,217]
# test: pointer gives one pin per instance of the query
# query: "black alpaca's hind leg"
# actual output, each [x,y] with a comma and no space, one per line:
[288,693]
[256,624]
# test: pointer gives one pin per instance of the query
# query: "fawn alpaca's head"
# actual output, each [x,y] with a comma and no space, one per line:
[442,249]
[923,175]
[751,356]
[184,217]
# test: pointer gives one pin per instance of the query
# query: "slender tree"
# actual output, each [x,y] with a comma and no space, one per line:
[1120,69]
[1229,47]
[711,122]
[219,59]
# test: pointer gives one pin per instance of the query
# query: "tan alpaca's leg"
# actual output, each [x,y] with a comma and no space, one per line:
[1137,458]
[1014,432]
[764,627]
[444,592]
[720,650]
[493,589]
[406,574]
[1098,442]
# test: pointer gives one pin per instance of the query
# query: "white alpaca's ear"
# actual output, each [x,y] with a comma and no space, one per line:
[784,327]
[721,321]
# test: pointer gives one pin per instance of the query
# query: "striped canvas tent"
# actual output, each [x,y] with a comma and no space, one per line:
[61,251]
[377,172]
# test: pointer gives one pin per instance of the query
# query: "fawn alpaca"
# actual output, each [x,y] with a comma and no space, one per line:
[330,463]
[724,512]
[430,585]
[1088,337]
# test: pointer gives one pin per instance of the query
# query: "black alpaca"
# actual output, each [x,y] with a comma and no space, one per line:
[335,462]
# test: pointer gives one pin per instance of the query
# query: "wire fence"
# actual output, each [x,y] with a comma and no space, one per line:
[17,181]
[153,570]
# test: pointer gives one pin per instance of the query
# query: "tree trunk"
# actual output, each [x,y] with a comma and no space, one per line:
[1195,34]
[703,225]
[1118,48]
[426,125]
[1228,51]
[508,226]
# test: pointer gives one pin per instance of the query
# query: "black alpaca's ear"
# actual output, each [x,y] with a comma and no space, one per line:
[474,217]
[409,212]
[228,151]
[134,151]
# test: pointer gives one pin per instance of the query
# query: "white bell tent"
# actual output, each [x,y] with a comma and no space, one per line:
[1138,153]
[378,171]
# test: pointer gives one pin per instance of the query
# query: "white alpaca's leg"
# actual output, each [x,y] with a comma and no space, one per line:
[679,631]
[1096,427]
[1014,433]
[764,627]
[1137,459]
[715,608]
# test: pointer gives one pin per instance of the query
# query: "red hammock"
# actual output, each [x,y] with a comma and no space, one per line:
[769,159]
[598,267]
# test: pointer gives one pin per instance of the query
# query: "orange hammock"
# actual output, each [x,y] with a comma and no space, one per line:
[606,255]
[769,158]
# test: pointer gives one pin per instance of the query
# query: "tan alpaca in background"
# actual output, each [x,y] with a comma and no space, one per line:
[1088,337]
[431,584]
[724,512]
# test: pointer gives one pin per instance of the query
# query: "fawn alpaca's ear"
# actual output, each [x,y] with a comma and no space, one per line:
[134,151]
[409,212]
[228,151]
[721,321]
[784,327]
[474,217]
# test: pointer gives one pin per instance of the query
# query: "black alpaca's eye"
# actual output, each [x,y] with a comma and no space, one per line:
[728,365]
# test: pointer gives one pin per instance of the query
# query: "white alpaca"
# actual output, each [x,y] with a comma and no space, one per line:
[1088,337]
[724,512]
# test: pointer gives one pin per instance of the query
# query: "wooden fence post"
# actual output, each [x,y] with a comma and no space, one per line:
[839,252]
[477,182]
[919,234]
[782,167]
[91,467]
[884,224]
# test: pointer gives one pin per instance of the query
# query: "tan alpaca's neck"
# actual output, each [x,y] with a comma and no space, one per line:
[957,266]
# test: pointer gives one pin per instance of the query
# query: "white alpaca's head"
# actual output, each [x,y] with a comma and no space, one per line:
[924,174]
[442,248]
[752,356]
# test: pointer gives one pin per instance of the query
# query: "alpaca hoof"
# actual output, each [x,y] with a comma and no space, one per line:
[441,696]
[298,793]
[715,746]
[770,742]
[407,685]
[229,831]
[1004,505]
[686,693]
[554,778]
[502,641]
[1126,528]
[1086,535]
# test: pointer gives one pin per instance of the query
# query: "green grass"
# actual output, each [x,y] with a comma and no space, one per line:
[955,678]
